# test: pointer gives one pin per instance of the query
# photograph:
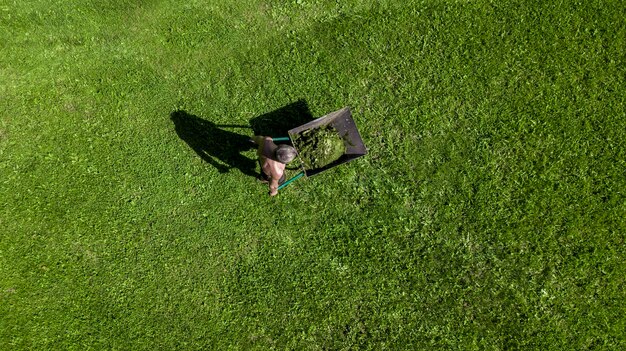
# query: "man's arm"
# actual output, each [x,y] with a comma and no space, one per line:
[258,139]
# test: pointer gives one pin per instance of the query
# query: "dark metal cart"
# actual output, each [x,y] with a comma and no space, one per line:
[342,121]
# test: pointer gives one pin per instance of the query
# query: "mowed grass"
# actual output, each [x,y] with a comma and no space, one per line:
[488,214]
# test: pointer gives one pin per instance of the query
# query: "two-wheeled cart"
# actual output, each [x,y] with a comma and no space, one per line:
[343,123]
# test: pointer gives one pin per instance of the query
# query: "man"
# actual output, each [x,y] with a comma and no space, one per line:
[272,159]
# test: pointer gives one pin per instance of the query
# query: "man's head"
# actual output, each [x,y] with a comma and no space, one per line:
[285,153]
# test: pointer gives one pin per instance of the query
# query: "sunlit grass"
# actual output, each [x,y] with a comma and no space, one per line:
[488,213]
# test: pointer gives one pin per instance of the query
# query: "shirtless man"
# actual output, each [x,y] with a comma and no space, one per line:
[273,159]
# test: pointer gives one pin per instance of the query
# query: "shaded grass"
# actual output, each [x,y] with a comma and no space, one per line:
[488,213]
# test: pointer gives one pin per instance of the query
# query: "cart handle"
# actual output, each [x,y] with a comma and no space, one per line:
[297,176]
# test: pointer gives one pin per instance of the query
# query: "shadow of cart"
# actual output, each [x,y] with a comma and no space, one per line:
[278,122]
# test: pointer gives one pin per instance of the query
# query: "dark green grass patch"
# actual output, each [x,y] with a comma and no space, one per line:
[488,213]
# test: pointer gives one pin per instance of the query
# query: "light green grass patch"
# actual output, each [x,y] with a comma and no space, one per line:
[486,215]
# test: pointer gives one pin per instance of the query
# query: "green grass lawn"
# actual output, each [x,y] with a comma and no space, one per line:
[489,213]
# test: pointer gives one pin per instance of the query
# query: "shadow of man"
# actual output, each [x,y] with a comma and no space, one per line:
[220,148]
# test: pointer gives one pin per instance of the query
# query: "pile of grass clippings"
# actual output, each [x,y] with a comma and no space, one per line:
[319,147]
